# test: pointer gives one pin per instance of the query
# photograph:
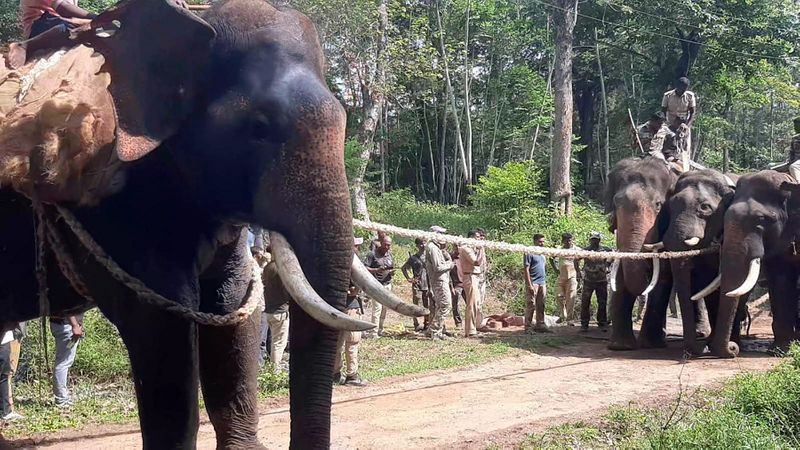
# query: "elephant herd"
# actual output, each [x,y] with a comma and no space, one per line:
[753,218]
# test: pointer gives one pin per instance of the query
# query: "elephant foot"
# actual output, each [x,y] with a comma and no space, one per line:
[702,334]
[652,341]
[622,344]
[778,349]
[697,348]
[730,351]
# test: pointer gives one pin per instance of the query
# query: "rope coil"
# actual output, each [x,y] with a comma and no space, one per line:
[528,249]
[254,297]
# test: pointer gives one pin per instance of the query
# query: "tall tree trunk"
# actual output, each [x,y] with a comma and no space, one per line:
[467,101]
[451,95]
[442,158]
[560,185]
[374,102]
[606,159]
[430,144]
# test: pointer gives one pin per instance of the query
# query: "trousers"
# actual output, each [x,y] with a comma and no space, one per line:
[348,345]
[567,293]
[65,356]
[377,315]
[534,304]
[600,288]
[472,293]
[279,327]
[442,302]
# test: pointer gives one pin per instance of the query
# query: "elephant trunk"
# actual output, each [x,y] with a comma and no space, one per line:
[740,253]
[633,228]
[306,199]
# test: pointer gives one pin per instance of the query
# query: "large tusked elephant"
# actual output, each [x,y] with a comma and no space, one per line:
[758,235]
[694,213]
[225,120]
[637,189]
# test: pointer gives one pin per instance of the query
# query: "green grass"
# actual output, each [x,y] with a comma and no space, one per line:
[752,411]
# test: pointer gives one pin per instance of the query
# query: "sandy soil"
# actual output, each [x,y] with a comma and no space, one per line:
[497,403]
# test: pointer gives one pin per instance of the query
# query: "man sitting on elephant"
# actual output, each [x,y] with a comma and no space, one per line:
[792,164]
[653,134]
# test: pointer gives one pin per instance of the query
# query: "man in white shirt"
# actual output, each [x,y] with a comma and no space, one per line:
[680,105]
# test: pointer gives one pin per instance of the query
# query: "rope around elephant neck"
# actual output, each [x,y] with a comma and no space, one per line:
[254,297]
[528,249]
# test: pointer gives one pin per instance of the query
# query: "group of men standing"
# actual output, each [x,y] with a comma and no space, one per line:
[594,275]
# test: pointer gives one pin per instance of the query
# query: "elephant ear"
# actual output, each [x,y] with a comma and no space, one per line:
[662,221]
[155,51]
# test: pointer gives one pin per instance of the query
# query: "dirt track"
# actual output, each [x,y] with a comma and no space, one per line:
[494,403]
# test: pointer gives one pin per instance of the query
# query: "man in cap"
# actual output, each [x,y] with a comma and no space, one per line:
[595,280]
[438,264]
[653,135]
[380,264]
[418,279]
[680,105]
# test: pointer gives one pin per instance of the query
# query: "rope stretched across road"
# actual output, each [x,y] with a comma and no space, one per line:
[529,249]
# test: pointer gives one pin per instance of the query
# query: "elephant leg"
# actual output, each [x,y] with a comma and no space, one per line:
[162,350]
[703,318]
[783,302]
[652,333]
[228,375]
[622,337]
[741,313]
[691,343]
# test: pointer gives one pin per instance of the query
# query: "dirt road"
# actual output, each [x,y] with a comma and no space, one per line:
[473,407]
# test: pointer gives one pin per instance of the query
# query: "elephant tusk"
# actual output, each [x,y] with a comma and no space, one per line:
[363,279]
[750,281]
[614,269]
[691,242]
[713,286]
[656,275]
[653,247]
[303,293]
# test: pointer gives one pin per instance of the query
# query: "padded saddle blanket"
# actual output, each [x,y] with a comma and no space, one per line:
[58,127]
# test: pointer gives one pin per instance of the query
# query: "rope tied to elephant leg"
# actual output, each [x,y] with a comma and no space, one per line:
[254,298]
[529,249]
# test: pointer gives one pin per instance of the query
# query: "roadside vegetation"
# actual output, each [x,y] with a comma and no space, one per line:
[754,411]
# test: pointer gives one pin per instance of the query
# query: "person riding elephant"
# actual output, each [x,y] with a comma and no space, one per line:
[759,232]
[694,213]
[223,121]
[636,190]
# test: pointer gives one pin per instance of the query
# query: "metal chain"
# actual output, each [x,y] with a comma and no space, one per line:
[528,249]
[254,297]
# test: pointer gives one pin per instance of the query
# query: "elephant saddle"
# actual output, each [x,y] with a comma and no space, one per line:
[58,127]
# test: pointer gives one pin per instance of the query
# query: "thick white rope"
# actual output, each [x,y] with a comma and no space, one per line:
[527,249]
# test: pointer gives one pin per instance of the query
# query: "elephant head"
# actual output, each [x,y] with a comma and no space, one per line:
[238,103]
[694,219]
[636,191]
[756,234]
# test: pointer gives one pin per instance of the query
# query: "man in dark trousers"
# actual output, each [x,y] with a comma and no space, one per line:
[418,279]
[595,280]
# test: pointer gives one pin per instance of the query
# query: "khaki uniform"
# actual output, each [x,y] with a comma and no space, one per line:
[348,345]
[652,142]
[794,158]
[438,265]
[678,107]
[471,272]
[567,288]
[279,327]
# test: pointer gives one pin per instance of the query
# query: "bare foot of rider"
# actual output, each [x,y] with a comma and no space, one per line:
[17,55]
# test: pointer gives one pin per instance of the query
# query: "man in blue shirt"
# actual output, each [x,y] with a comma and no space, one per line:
[535,288]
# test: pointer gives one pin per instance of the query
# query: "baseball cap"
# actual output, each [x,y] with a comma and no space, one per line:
[358,241]
[438,229]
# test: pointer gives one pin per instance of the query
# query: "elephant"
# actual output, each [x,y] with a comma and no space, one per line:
[694,219]
[224,120]
[758,233]
[636,190]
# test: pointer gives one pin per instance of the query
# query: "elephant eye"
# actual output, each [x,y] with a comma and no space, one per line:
[260,127]
[706,208]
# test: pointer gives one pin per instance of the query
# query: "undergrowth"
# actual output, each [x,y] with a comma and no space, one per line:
[751,411]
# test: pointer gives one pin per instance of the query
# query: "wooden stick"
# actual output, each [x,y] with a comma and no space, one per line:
[199,7]
[635,131]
